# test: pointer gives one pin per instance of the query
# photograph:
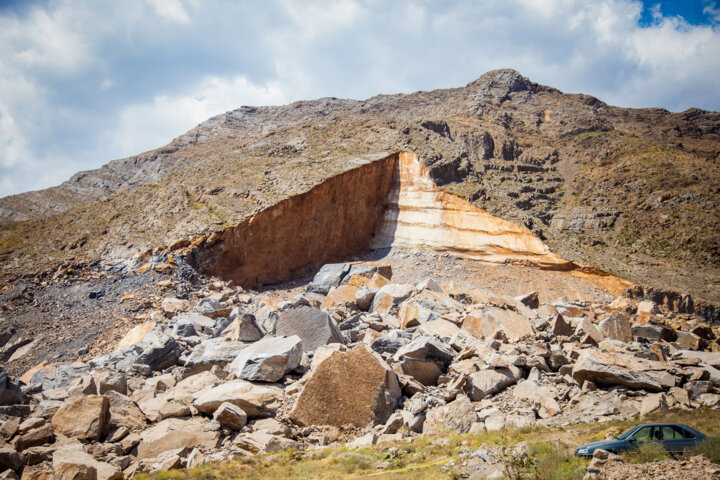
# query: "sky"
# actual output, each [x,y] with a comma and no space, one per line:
[83,82]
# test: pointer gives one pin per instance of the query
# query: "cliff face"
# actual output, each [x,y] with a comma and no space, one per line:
[390,202]
[631,192]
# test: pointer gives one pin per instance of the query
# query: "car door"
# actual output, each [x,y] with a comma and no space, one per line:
[672,438]
[643,435]
[682,440]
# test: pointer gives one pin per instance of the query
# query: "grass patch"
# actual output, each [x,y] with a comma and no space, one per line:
[710,448]
[646,452]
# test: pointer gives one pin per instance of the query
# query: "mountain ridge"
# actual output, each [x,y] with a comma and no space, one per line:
[629,191]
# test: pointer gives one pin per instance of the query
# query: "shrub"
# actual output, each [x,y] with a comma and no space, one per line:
[710,448]
[553,462]
[646,452]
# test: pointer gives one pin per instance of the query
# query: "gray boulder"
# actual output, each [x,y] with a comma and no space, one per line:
[330,275]
[214,351]
[269,359]
[314,327]
[163,354]
[488,382]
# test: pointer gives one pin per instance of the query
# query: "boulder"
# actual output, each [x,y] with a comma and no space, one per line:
[10,393]
[314,327]
[355,387]
[364,297]
[230,416]
[390,296]
[412,314]
[617,327]
[107,380]
[263,442]
[269,359]
[690,341]
[328,276]
[124,412]
[163,354]
[243,328]
[10,459]
[213,351]
[608,369]
[343,296]
[72,462]
[440,328]
[530,300]
[588,332]
[172,433]
[257,401]
[544,397]
[491,322]
[458,415]
[487,382]
[85,418]
[426,348]
[34,438]
[190,324]
[653,403]
[560,328]
[654,332]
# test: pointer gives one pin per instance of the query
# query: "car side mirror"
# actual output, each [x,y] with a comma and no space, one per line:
[631,440]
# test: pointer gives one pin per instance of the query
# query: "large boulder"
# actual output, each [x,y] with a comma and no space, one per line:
[190,324]
[161,354]
[457,415]
[257,401]
[124,412]
[355,387]
[343,296]
[213,351]
[172,433]
[494,321]
[487,382]
[617,327]
[424,359]
[85,418]
[608,369]
[545,398]
[72,462]
[328,276]
[314,327]
[269,359]
[10,459]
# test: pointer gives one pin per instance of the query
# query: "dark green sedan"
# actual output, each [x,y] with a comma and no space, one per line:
[675,437]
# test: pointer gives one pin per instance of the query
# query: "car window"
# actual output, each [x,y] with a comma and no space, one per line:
[683,433]
[670,433]
[643,434]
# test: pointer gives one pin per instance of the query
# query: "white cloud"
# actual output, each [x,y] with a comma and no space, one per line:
[170,10]
[83,82]
[150,125]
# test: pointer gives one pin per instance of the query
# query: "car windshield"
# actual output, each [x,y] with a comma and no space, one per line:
[626,433]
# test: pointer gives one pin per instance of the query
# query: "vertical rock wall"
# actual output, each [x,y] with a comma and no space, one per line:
[331,221]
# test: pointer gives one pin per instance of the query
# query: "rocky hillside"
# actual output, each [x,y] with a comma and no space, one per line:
[631,192]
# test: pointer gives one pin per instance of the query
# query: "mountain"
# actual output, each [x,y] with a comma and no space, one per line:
[631,192]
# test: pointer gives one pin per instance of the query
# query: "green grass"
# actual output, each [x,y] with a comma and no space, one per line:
[710,448]
[647,452]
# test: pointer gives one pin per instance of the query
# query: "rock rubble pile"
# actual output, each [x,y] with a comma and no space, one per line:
[351,358]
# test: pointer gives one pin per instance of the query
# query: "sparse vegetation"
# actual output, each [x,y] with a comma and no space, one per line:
[548,454]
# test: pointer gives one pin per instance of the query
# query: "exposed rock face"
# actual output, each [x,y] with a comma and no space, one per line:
[420,214]
[355,388]
[332,220]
